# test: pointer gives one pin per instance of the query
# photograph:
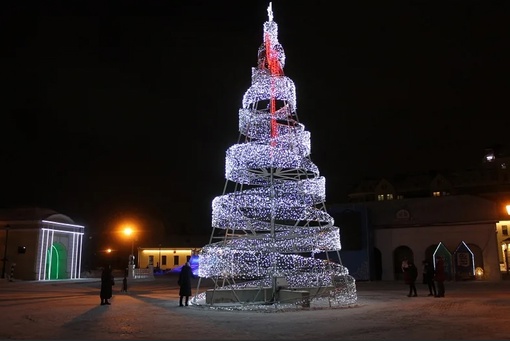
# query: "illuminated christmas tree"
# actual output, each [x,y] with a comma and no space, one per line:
[272,241]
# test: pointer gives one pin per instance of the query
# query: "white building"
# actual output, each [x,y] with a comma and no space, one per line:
[39,244]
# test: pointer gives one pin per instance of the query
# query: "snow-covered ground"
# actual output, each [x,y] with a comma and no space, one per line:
[472,310]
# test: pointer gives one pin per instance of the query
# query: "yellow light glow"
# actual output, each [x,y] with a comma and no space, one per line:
[167,251]
[508,209]
[128,231]
[479,273]
[109,250]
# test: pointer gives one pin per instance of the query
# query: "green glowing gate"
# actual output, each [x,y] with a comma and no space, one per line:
[56,262]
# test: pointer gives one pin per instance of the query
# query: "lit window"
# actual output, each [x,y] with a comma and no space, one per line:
[504,230]
[436,194]
[176,260]
[380,197]
[389,196]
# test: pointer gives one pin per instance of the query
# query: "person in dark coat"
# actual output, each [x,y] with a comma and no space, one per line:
[124,284]
[107,281]
[428,277]
[440,276]
[410,275]
[184,282]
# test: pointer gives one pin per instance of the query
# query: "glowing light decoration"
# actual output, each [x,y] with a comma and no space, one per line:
[271,221]
[51,234]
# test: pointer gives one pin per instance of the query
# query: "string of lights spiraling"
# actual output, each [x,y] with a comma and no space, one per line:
[274,222]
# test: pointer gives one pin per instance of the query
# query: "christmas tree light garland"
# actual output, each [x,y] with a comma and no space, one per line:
[278,225]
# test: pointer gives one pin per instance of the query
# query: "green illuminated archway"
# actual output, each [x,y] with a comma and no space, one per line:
[56,262]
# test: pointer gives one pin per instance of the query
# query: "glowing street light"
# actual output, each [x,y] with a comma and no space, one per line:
[128,231]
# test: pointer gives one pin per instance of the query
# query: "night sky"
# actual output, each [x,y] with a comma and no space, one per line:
[126,109]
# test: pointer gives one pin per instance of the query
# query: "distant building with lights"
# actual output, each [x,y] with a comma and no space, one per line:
[39,244]
[458,215]
[165,258]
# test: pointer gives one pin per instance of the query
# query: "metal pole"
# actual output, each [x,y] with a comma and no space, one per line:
[5,250]
[131,268]
[506,256]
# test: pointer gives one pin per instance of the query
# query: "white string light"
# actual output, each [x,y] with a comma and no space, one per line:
[274,223]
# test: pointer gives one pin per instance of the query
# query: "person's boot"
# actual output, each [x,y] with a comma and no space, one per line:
[180,302]
[102,302]
[106,302]
[187,298]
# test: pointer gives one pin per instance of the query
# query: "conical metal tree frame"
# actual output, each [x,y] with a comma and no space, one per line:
[273,244]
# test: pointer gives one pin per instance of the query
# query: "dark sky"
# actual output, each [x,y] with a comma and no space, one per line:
[126,108]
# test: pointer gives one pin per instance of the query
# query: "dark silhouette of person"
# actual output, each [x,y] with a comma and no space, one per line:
[428,277]
[440,276]
[410,275]
[184,282]
[107,281]
[124,284]
[405,263]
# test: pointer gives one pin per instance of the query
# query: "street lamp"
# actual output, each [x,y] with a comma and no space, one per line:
[5,249]
[159,257]
[506,246]
[128,231]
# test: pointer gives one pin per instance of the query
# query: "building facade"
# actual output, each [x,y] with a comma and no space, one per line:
[40,244]
[165,258]
[459,215]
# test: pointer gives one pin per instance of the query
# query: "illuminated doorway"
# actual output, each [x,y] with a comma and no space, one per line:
[56,262]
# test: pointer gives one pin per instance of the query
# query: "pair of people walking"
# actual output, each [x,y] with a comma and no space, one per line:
[433,277]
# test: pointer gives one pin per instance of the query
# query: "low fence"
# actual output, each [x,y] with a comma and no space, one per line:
[143,273]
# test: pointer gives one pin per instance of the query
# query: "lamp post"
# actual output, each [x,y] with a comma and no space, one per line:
[128,231]
[506,243]
[506,255]
[506,246]
[5,250]
[159,257]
